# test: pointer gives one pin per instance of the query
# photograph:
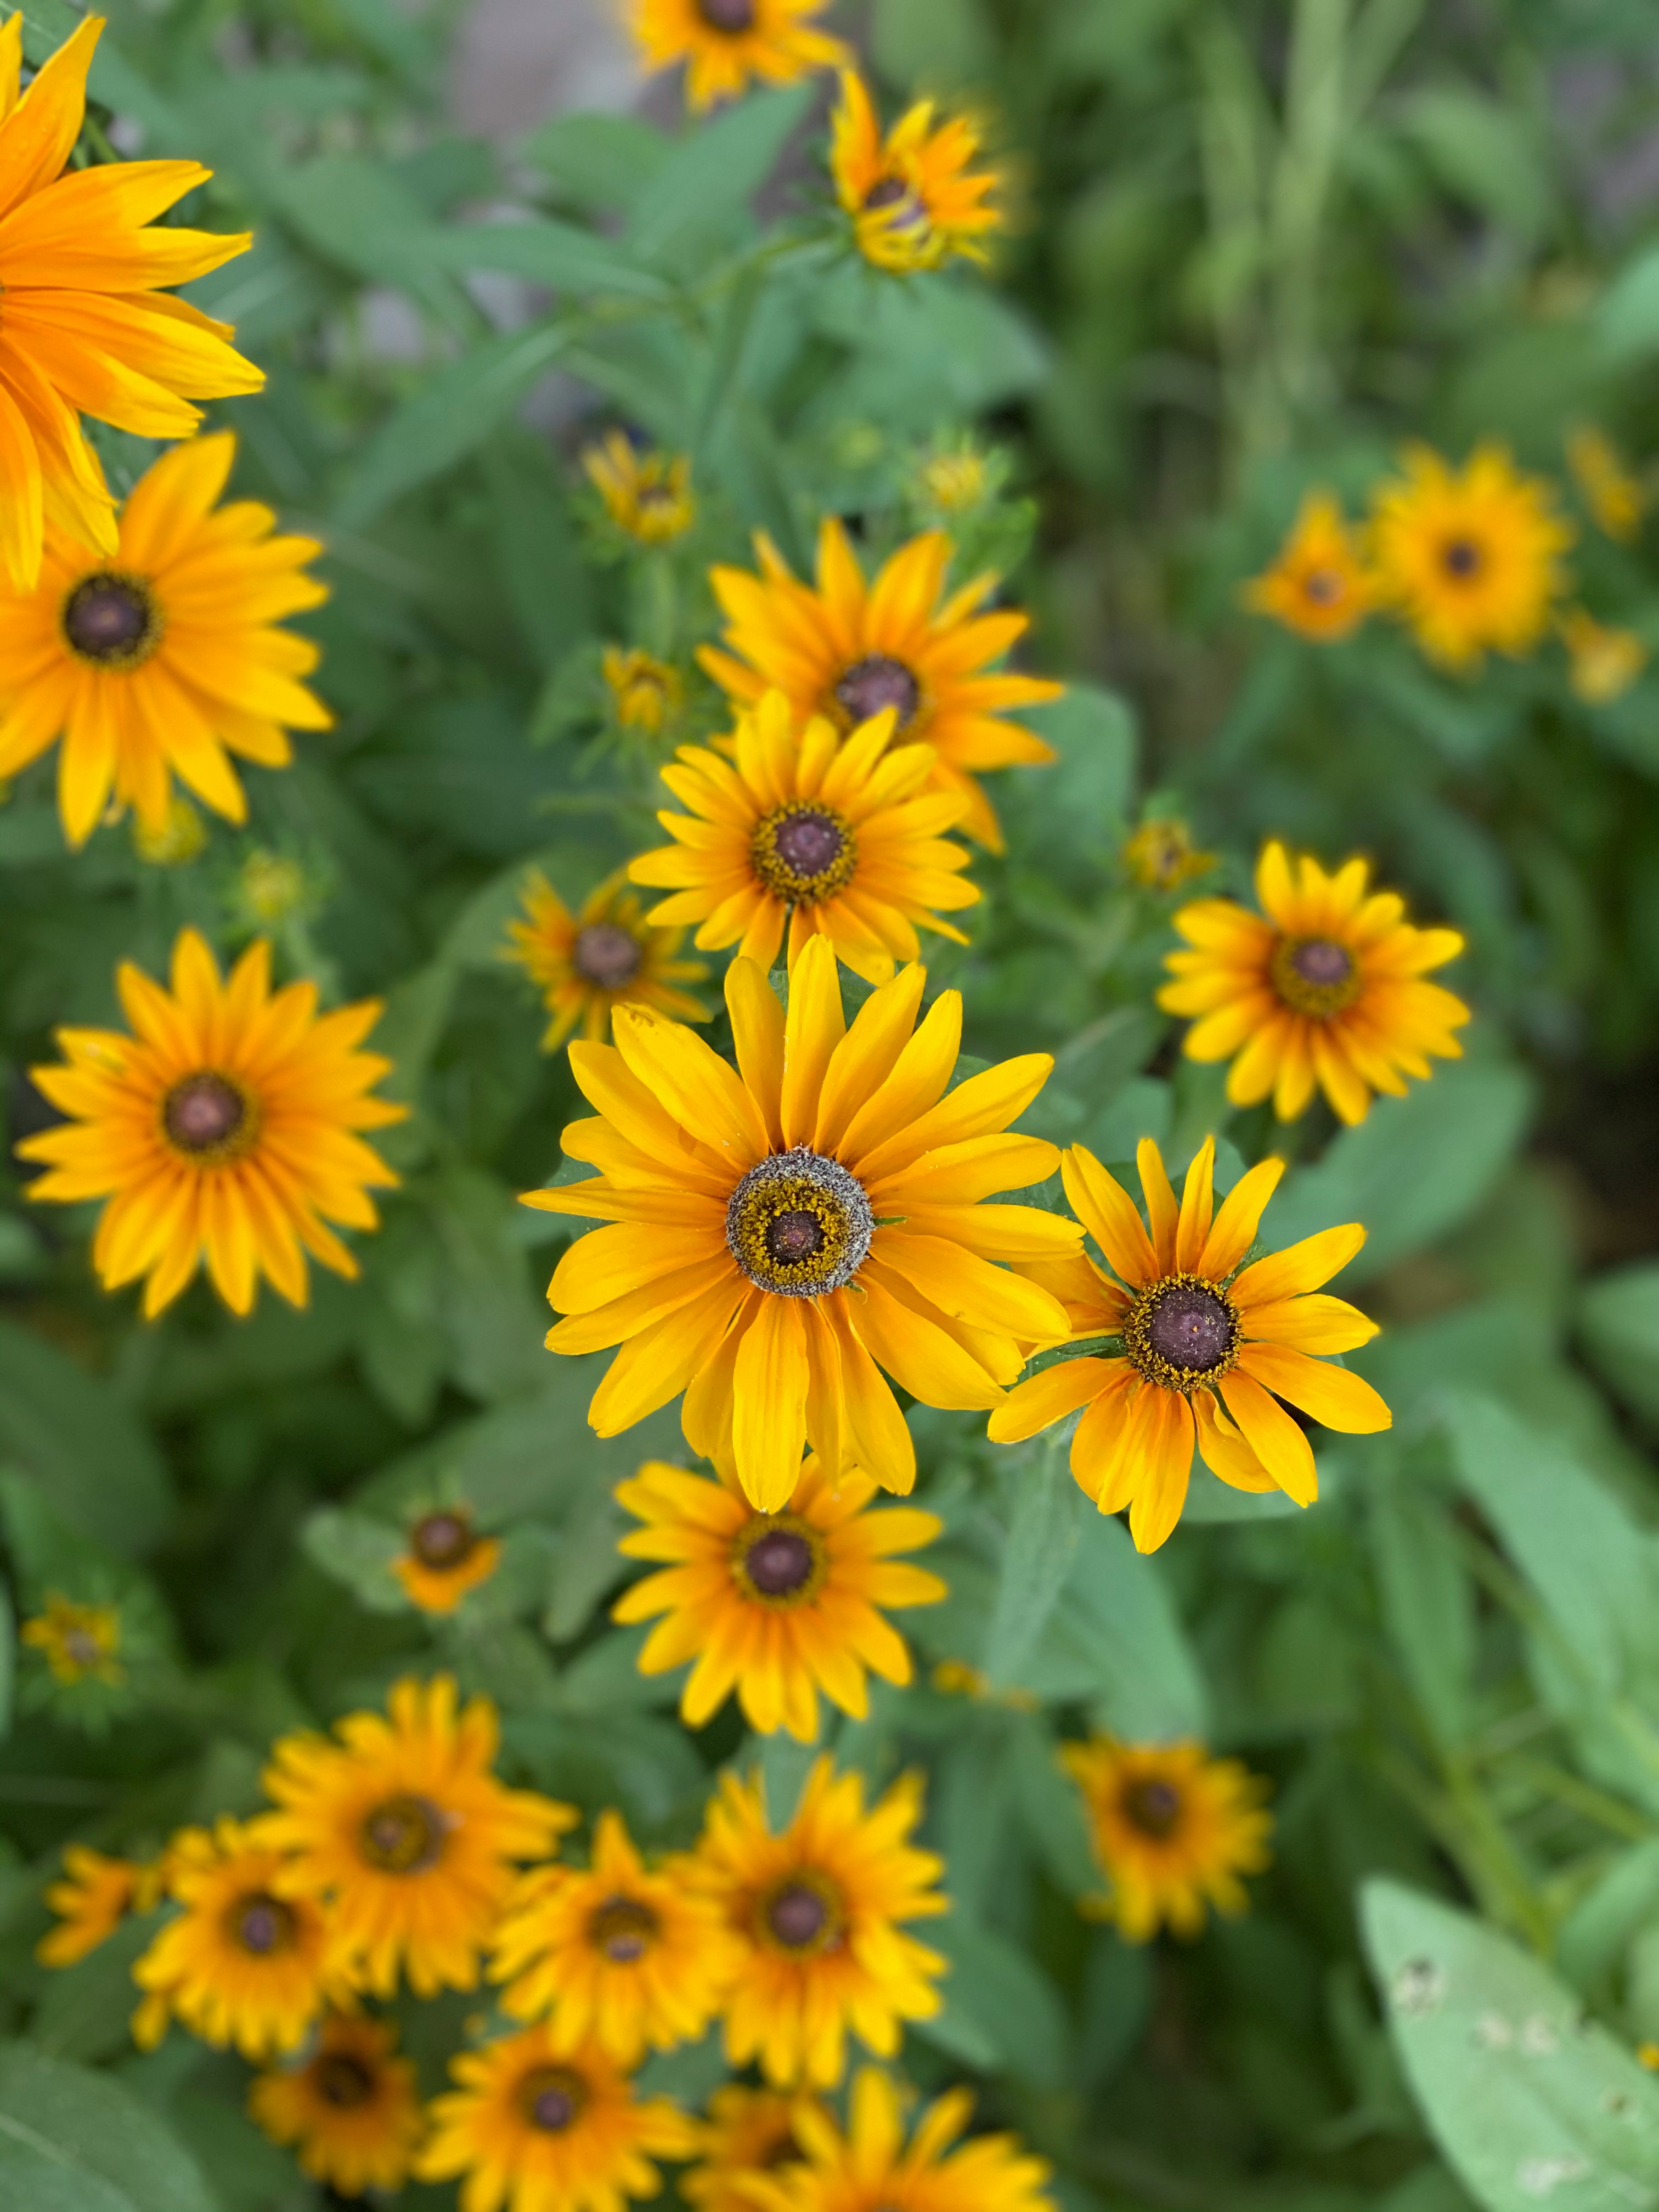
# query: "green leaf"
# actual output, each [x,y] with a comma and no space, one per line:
[71,1432]
[1627,314]
[1002,1998]
[1603,1921]
[355,213]
[603,161]
[561,255]
[356,1551]
[1042,1537]
[495,1322]
[938,43]
[1146,1685]
[1428,1607]
[1618,1322]
[64,2128]
[713,173]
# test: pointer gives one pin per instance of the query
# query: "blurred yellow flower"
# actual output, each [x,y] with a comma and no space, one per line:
[954,480]
[1161,855]
[446,1559]
[1604,661]
[728,44]
[1614,497]
[608,954]
[270,887]
[914,197]
[873,2165]
[646,692]
[77,1641]
[178,839]
[94,1896]
[1320,585]
[350,2108]
[646,495]
[1173,1829]
[747,2132]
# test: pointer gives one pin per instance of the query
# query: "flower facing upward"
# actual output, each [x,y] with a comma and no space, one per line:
[1326,987]
[1320,585]
[747,2132]
[785,1230]
[1470,557]
[1614,497]
[87,329]
[873,2165]
[1162,857]
[817,1911]
[79,1642]
[1603,661]
[160,657]
[94,1898]
[807,835]
[847,648]
[727,43]
[1203,1345]
[914,198]
[222,1130]
[351,2111]
[604,955]
[646,496]
[539,2129]
[446,1559]
[618,1956]
[777,1606]
[646,692]
[1172,1828]
[401,1826]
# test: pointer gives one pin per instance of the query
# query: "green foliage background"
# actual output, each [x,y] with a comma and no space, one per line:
[1262,242]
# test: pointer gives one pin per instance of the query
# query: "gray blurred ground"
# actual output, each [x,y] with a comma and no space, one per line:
[517,61]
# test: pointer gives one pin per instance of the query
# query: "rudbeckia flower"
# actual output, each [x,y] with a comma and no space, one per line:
[880,2161]
[646,495]
[94,1896]
[1173,1830]
[448,1556]
[349,2109]
[76,1641]
[747,2132]
[608,954]
[914,198]
[1320,585]
[728,44]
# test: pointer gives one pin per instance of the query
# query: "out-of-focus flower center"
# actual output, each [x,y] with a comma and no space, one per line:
[262,1924]
[734,17]
[904,211]
[1181,1332]
[624,1929]
[779,1558]
[403,1834]
[606,954]
[1315,975]
[876,681]
[1324,586]
[112,620]
[803,853]
[802,1915]
[208,1115]
[1152,1805]
[343,2080]
[552,2098]
[442,1540]
[799,1225]
[1462,558]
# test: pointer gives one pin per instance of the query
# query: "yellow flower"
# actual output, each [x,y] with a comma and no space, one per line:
[88,330]
[1327,988]
[618,1957]
[1604,661]
[159,655]
[873,2165]
[955,1678]
[915,198]
[817,1911]
[77,1641]
[779,1606]
[727,45]
[1172,1828]
[1614,497]
[647,692]
[748,2131]
[179,840]
[1162,857]
[646,496]
[606,955]
[847,648]
[1647,2055]
[270,887]
[1469,557]
[222,1131]
[247,1960]
[1203,1345]
[402,1827]
[537,2130]
[954,480]
[92,1900]
[786,1228]
[446,1559]
[1320,585]
[350,2109]
[809,836]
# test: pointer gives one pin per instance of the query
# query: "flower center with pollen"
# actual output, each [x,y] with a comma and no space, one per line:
[624,1930]
[262,1924]
[402,1835]
[877,682]
[209,1116]
[1151,1805]
[734,17]
[803,853]
[342,2081]
[606,954]
[552,2098]
[779,1558]
[112,620]
[799,1225]
[906,215]
[802,1915]
[1315,975]
[441,1540]
[1181,1333]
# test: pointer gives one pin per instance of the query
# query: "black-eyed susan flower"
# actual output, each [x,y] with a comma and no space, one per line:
[873,2164]
[79,1642]
[914,198]
[448,1556]
[247,1959]
[89,330]
[776,1605]
[1470,558]
[618,1955]
[785,1230]
[646,693]
[846,648]
[1161,855]
[348,2109]
[94,1896]
[607,954]
[161,656]
[1603,660]
[1204,1347]
[531,2129]
[1327,986]
[728,44]
[1173,1830]
[1617,499]
[224,1131]
[1320,585]
[819,1911]
[746,2132]
[400,1825]
[646,495]
[806,834]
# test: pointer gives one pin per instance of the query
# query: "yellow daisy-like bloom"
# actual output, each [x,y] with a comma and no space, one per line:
[872,2168]
[646,496]
[955,480]
[79,1642]
[247,1960]
[1320,585]
[446,1559]
[914,198]
[811,835]
[727,45]
[351,2112]
[94,1898]
[537,2128]
[402,1827]
[817,1911]
[176,843]
[1161,855]
[647,692]
[785,1230]
[1614,497]
[747,2132]
[1172,1827]
[779,1606]
[620,1957]
[1469,557]
[161,656]
[222,1131]
[1327,986]
[87,329]
[1203,1345]
[847,648]
[1603,661]
[606,955]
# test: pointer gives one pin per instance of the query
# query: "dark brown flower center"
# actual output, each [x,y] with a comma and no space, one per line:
[606,954]
[1323,585]
[82,1648]
[779,1562]
[804,853]
[906,213]
[624,1929]
[1462,558]
[112,620]
[442,1540]
[876,681]
[263,1925]
[810,842]
[1181,1332]
[1152,1805]
[734,17]
[798,1916]
[1319,960]
[552,2098]
[1315,975]
[798,1224]
[402,1835]
[343,2080]
[204,1112]
[795,1235]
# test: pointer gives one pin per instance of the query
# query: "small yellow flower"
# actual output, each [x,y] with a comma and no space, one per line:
[647,693]
[171,842]
[873,2165]
[1162,857]
[270,888]
[446,1559]
[1605,661]
[727,45]
[954,481]
[1320,585]
[646,496]
[1173,1829]
[604,955]
[914,197]
[1614,497]
[747,2132]
[78,1641]
[94,1898]
[351,2109]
